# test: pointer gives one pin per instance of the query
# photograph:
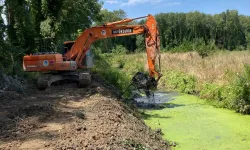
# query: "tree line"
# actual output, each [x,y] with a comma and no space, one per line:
[227,30]
[193,31]
[28,22]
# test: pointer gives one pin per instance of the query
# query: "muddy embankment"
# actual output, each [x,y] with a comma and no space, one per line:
[65,117]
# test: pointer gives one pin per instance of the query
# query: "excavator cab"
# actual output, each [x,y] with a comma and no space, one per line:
[67,46]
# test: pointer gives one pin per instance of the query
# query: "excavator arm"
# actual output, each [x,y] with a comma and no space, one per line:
[115,29]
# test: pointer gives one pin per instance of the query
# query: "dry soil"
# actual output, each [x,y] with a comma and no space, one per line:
[66,117]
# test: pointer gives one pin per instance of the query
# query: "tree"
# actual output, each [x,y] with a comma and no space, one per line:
[2,42]
[63,18]
[245,22]
[2,26]
[20,30]
[29,21]
[59,19]
[111,16]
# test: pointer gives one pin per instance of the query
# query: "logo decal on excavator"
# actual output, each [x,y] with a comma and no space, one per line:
[122,31]
[153,26]
[31,66]
[45,63]
[103,32]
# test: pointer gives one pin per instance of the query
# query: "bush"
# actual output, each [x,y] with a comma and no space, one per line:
[211,92]
[121,63]
[182,82]
[140,43]
[240,87]
[184,47]
[235,96]
[119,50]
[103,66]
[198,44]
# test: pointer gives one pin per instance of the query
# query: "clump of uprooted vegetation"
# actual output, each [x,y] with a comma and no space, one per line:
[222,78]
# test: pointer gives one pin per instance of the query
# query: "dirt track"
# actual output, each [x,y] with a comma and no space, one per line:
[64,117]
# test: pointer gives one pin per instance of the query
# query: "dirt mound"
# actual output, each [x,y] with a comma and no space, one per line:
[64,117]
[12,83]
[10,95]
[33,110]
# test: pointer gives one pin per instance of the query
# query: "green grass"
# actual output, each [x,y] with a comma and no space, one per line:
[117,69]
[195,125]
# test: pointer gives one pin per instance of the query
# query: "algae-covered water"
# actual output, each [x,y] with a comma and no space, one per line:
[195,125]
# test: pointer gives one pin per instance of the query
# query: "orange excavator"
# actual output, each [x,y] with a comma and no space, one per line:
[55,66]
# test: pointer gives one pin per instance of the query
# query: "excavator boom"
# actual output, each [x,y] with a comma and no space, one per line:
[89,36]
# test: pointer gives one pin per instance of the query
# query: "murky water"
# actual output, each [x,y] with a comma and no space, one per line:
[155,99]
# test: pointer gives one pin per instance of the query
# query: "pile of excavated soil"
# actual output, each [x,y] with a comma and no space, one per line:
[65,117]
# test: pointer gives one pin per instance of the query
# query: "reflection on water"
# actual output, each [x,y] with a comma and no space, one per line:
[156,98]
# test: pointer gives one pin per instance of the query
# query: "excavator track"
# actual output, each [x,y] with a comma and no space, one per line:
[82,78]
[43,81]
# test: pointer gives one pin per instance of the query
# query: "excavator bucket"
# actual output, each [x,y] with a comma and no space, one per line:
[152,41]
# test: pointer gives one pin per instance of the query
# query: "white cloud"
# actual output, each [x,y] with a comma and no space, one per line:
[135,2]
[167,4]
[173,3]
[112,1]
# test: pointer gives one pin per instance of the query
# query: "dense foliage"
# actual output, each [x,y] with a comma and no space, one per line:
[188,31]
[30,22]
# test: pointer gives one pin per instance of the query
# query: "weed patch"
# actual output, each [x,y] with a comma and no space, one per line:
[180,81]
[103,66]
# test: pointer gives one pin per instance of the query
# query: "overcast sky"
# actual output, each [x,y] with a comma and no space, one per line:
[136,8]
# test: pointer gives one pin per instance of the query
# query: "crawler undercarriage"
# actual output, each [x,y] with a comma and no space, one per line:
[46,79]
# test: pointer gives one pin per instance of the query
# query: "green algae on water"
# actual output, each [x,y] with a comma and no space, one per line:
[195,125]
